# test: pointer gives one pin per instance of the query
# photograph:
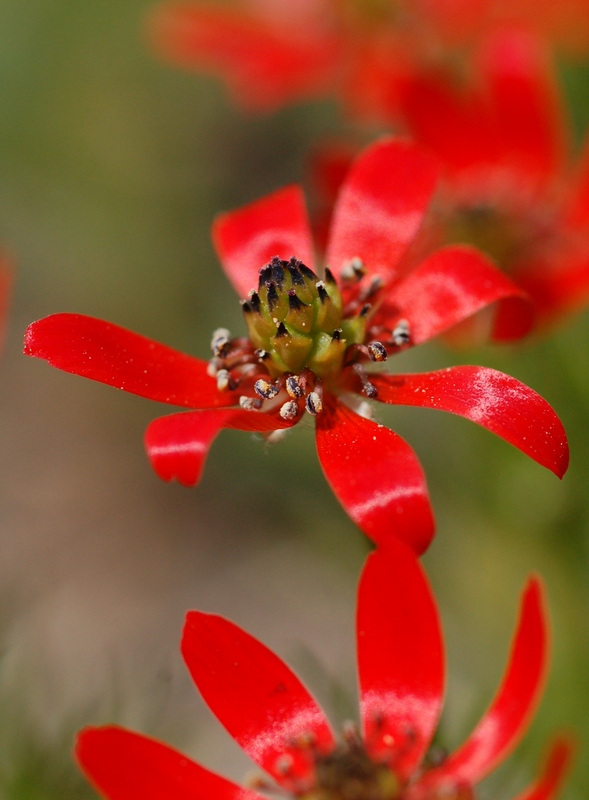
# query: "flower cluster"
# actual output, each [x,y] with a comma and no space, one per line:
[472,223]
[274,718]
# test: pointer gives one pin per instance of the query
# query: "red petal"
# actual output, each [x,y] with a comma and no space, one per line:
[5,287]
[177,445]
[559,286]
[526,106]
[381,206]
[246,239]
[496,401]
[400,658]
[448,287]
[103,352]
[265,64]
[555,771]
[263,705]
[510,712]
[122,765]
[375,475]
[456,126]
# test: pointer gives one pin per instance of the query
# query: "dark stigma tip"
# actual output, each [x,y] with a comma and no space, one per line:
[272,295]
[337,335]
[322,292]
[295,274]
[265,274]
[329,276]
[278,273]
[255,302]
[281,331]
[294,303]
[308,273]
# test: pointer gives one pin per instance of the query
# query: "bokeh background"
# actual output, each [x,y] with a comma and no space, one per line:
[112,167]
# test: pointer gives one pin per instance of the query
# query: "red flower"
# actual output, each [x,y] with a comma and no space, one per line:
[268,711]
[511,186]
[309,343]
[271,54]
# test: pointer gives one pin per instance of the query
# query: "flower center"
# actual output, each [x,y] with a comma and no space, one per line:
[303,332]
[349,774]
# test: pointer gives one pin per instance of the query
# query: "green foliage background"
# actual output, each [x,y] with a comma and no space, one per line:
[112,166]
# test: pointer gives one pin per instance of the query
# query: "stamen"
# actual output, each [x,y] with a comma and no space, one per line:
[293,387]
[313,404]
[375,286]
[245,307]
[377,351]
[336,335]
[224,380]
[250,403]
[289,410]
[261,355]
[401,333]
[214,365]
[369,389]
[353,270]
[220,342]
[266,390]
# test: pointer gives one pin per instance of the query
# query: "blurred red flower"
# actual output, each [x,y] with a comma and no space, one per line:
[273,717]
[271,54]
[309,343]
[510,184]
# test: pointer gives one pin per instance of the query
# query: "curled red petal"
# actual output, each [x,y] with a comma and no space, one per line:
[178,445]
[556,768]
[495,401]
[246,239]
[122,765]
[561,286]
[375,475]
[265,64]
[381,206]
[260,701]
[400,658]
[106,353]
[448,287]
[509,715]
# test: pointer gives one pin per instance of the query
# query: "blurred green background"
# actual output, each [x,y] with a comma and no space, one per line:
[112,167]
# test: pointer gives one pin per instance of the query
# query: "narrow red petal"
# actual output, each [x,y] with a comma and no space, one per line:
[400,658]
[265,64]
[246,239]
[528,113]
[509,715]
[448,287]
[556,768]
[5,287]
[260,701]
[122,765]
[106,353]
[376,477]
[178,445]
[381,206]
[495,401]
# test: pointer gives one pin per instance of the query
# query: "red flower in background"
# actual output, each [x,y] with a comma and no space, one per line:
[272,716]
[310,339]
[510,185]
[271,54]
